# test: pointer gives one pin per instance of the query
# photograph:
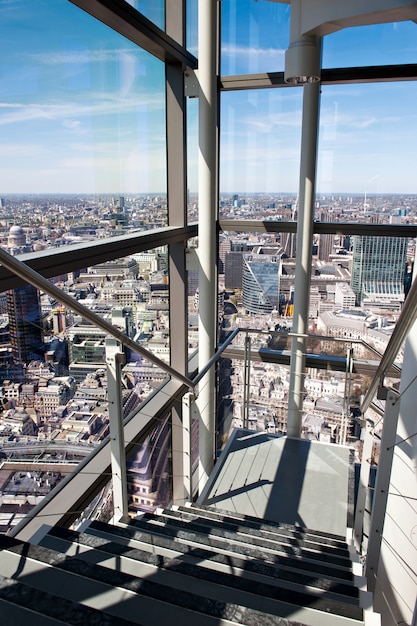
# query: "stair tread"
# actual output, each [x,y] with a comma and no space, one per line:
[306,588]
[196,605]
[250,546]
[154,536]
[267,524]
[260,537]
[43,603]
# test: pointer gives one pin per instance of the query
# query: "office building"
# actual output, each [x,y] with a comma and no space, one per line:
[378,269]
[24,312]
[260,281]
[265,541]
[326,242]
[25,325]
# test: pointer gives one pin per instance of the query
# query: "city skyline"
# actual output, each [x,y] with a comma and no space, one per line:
[82,109]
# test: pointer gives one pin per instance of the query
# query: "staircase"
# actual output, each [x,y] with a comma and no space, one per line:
[189,566]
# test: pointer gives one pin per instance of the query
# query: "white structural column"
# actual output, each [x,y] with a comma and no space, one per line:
[305,221]
[207,240]
[177,216]
[114,360]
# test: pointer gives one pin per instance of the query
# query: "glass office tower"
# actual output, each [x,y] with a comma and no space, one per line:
[260,282]
[378,268]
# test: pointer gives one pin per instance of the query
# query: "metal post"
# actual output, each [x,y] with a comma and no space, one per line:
[305,222]
[345,410]
[115,358]
[177,216]
[188,405]
[363,483]
[246,383]
[207,253]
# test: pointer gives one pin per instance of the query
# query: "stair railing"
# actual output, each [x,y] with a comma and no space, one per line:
[363,509]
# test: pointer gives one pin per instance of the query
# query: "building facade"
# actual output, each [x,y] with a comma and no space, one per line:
[260,282]
[378,269]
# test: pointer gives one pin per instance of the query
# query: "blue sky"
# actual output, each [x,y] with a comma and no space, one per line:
[82,109]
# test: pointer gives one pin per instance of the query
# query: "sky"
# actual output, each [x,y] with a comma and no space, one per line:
[82,109]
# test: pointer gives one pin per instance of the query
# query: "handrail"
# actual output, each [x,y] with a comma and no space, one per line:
[216,356]
[29,275]
[406,320]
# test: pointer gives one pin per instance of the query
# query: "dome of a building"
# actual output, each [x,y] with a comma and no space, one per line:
[16,230]
[17,237]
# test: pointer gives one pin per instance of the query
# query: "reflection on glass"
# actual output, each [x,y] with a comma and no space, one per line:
[192,27]
[255,36]
[53,363]
[379,44]
[84,108]
[260,144]
[364,130]
[152,9]
[149,471]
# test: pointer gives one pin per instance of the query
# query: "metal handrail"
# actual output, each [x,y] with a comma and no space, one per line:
[34,278]
[404,324]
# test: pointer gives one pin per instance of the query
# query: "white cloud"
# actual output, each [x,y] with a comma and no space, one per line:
[19,112]
[71,124]
[82,56]
[235,52]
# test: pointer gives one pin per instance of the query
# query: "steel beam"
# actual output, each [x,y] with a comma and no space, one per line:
[126,20]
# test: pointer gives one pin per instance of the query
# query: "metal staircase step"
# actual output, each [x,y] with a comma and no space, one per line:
[22,604]
[154,538]
[258,536]
[107,591]
[87,582]
[211,512]
[305,590]
[233,542]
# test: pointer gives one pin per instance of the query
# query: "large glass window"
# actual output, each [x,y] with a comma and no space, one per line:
[260,146]
[154,10]
[368,139]
[255,36]
[82,109]
[192,26]
[379,44]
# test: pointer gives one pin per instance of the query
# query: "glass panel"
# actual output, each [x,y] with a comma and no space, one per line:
[192,159]
[255,36]
[193,296]
[83,109]
[259,150]
[53,375]
[253,393]
[380,44]
[367,151]
[192,26]
[154,10]
[149,471]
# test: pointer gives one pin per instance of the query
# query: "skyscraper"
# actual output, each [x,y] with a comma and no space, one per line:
[24,311]
[326,242]
[260,281]
[25,325]
[378,268]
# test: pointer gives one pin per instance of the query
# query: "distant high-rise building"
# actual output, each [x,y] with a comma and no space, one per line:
[225,245]
[25,324]
[260,281]
[289,244]
[326,242]
[378,268]
[233,270]
[24,311]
